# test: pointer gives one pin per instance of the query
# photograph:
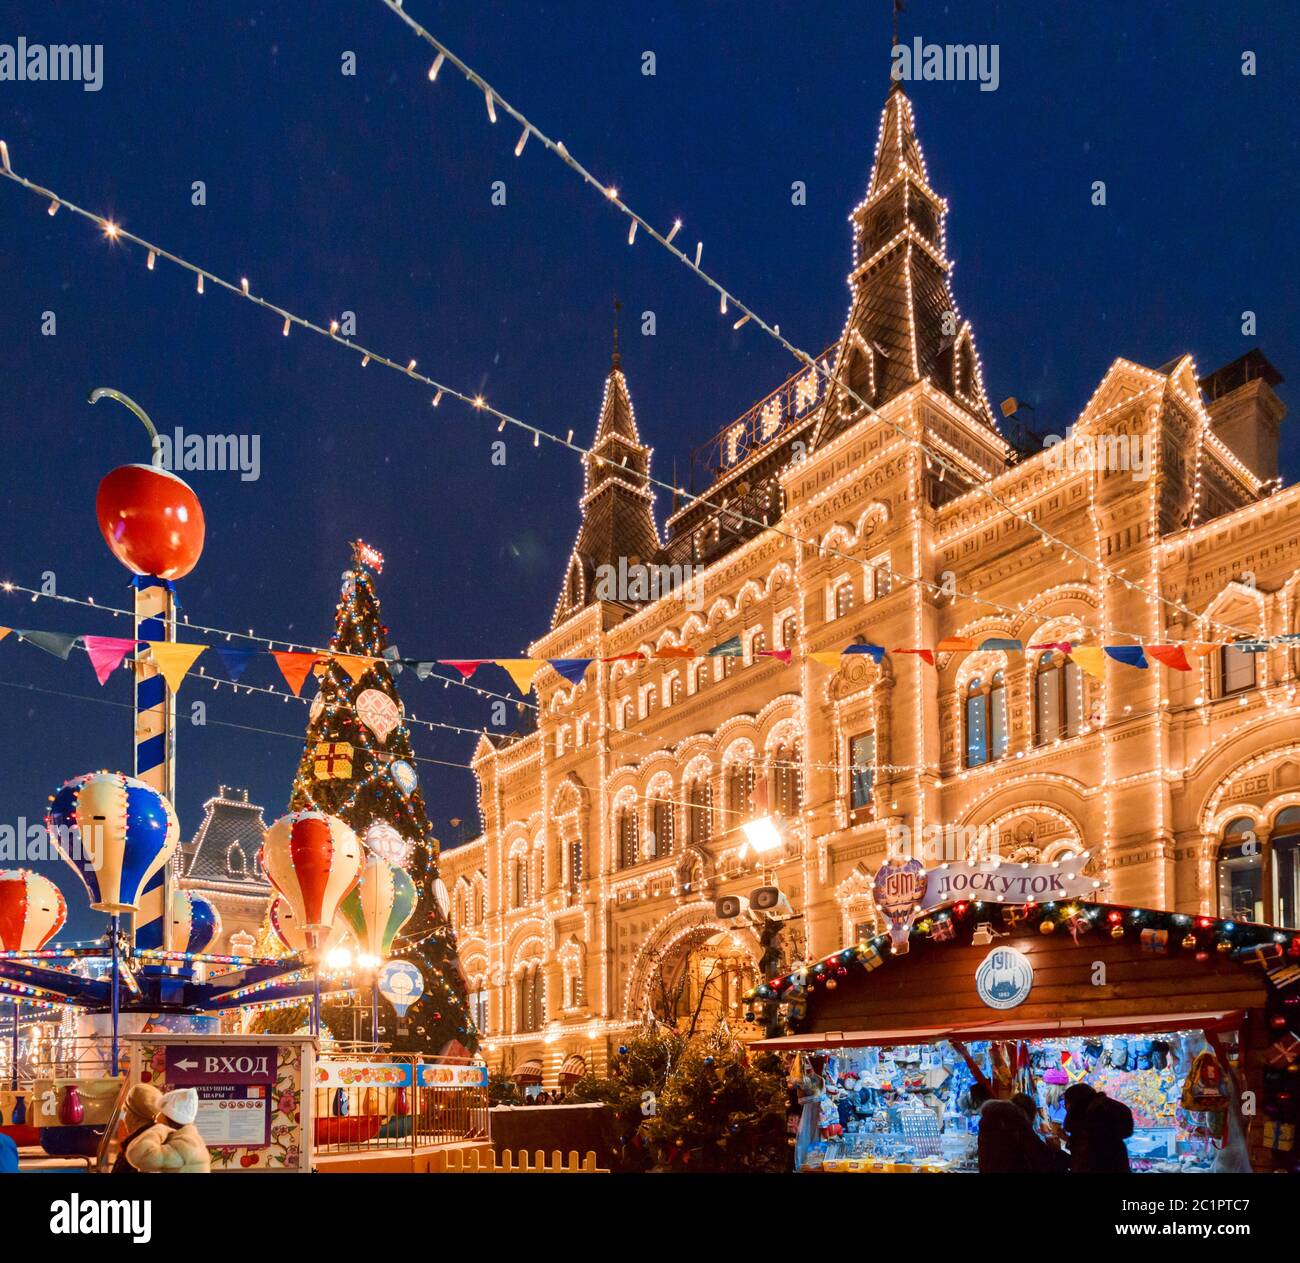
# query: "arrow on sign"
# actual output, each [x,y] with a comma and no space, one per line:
[188,1065]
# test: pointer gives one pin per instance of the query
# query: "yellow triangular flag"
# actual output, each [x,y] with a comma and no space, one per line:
[831,659]
[1090,659]
[1202,648]
[521,670]
[4,631]
[355,666]
[174,660]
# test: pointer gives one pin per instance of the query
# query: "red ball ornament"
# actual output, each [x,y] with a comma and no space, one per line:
[151,521]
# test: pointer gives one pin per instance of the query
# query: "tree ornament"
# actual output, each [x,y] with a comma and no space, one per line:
[313,860]
[151,521]
[378,712]
[1047,927]
[404,777]
[32,910]
[332,760]
[1189,940]
[1223,946]
[1117,931]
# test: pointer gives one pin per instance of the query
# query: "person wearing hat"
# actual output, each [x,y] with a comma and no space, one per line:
[173,1143]
[143,1102]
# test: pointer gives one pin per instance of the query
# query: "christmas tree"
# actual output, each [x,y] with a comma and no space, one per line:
[357,764]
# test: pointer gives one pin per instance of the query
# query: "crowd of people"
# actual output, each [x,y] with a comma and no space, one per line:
[1095,1127]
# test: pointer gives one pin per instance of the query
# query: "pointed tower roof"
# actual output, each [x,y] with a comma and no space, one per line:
[617,504]
[903,324]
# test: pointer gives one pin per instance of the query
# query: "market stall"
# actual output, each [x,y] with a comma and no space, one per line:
[1190,1022]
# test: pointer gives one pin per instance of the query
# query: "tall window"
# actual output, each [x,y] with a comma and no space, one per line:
[1241,872]
[757,645]
[882,577]
[789,631]
[862,769]
[652,699]
[521,880]
[478,1008]
[627,839]
[1236,670]
[787,782]
[530,1000]
[844,598]
[738,793]
[1285,845]
[986,720]
[675,690]
[661,825]
[1058,698]
[575,864]
[699,819]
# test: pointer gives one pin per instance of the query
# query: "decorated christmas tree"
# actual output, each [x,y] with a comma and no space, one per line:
[358,765]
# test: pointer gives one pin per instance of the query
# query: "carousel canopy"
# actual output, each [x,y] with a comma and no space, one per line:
[573,1069]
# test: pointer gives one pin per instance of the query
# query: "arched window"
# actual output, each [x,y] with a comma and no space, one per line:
[700,675]
[728,664]
[478,1008]
[575,864]
[757,645]
[627,839]
[699,817]
[882,577]
[652,699]
[739,800]
[480,900]
[844,598]
[1285,845]
[675,690]
[521,880]
[236,862]
[1236,670]
[1058,698]
[986,720]
[661,828]
[789,631]
[530,1000]
[1241,872]
[787,780]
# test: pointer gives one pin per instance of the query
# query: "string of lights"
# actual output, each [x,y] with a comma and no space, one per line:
[116,233]
[726,300]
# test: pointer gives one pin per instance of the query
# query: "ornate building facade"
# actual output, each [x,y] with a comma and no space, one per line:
[611,829]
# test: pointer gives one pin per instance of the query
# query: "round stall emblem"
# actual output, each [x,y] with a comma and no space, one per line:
[1004,978]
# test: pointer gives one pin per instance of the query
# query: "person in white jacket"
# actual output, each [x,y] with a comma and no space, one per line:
[173,1143]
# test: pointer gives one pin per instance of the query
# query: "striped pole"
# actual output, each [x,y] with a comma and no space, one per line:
[155,736]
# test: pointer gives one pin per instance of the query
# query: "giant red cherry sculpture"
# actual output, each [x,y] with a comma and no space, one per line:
[151,520]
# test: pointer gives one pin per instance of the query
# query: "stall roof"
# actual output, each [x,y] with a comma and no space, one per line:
[1136,1024]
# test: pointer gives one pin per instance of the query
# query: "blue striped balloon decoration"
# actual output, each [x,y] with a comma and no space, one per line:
[195,925]
[115,832]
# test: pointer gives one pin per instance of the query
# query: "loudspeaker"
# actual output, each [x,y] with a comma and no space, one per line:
[770,899]
[730,906]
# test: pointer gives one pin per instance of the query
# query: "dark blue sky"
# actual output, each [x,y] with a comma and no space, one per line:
[372,194]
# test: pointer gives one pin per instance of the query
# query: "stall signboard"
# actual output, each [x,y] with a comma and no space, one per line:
[234,1114]
[899,889]
[1004,978]
[1009,883]
[451,1076]
[363,1074]
[196,1065]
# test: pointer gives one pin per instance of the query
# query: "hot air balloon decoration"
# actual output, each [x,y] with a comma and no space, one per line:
[378,906]
[32,910]
[313,860]
[195,925]
[288,929]
[115,832]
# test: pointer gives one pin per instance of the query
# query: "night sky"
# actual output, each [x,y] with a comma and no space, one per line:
[372,194]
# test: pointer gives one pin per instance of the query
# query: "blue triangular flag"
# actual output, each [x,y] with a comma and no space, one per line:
[1129,655]
[423,670]
[58,643]
[234,660]
[876,651]
[727,649]
[573,669]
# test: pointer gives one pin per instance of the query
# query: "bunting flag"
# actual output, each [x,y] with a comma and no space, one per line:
[4,631]
[235,660]
[635,656]
[831,659]
[423,670]
[1202,649]
[1129,655]
[1090,659]
[1171,655]
[174,659]
[876,652]
[926,655]
[466,666]
[729,648]
[955,644]
[782,655]
[58,643]
[1004,643]
[106,654]
[573,669]
[353,664]
[675,651]
[1056,646]
[521,671]
[294,667]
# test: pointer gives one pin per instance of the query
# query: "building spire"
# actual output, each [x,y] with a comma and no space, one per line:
[616,360]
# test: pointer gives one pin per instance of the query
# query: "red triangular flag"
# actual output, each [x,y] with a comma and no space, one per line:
[782,654]
[294,667]
[106,654]
[1171,655]
[466,666]
[926,655]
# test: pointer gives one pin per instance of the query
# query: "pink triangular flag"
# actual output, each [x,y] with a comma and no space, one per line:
[106,654]
[466,666]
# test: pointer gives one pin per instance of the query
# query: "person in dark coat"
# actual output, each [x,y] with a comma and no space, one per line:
[1106,1124]
[1004,1139]
[1076,1098]
[1044,1158]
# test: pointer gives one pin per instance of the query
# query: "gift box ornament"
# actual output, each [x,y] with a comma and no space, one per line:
[1284,1050]
[332,761]
[1155,941]
[1284,976]
[1262,954]
[1279,1136]
[870,958]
